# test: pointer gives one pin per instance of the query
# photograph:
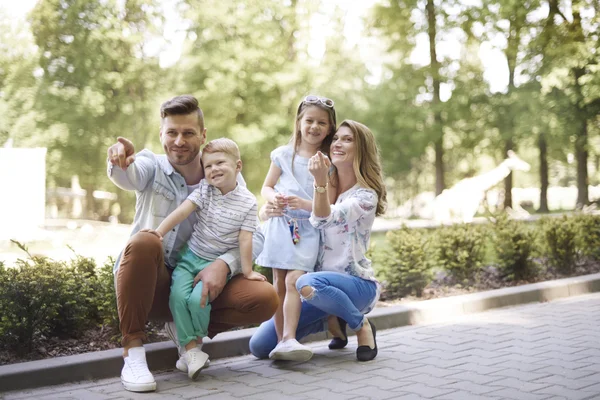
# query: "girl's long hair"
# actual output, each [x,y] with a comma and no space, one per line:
[367,163]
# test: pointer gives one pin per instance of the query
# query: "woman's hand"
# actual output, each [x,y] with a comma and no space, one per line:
[318,166]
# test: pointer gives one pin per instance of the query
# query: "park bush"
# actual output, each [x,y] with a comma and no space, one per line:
[588,235]
[43,298]
[559,244]
[459,250]
[403,267]
[76,296]
[31,301]
[40,297]
[105,296]
[514,244]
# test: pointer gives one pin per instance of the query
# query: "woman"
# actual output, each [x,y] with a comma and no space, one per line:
[343,288]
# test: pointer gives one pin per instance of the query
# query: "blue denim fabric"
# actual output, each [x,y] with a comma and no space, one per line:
[342,295]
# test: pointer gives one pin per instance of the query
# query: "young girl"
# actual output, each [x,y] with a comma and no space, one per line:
[291,243]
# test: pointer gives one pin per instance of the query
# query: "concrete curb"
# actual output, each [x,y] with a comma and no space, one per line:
[162,356]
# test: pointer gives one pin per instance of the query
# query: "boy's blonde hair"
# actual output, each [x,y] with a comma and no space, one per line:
[222,145]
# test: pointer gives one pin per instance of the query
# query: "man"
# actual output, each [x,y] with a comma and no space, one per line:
[143,270]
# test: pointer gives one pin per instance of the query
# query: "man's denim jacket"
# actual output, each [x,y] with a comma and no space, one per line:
[159,190]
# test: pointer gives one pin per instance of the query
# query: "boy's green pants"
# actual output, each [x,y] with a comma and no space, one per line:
[190,319]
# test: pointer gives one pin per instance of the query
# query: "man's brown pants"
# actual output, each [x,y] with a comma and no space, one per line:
[143,284]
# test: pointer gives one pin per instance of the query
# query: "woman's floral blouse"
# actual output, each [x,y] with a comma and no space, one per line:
[345,233]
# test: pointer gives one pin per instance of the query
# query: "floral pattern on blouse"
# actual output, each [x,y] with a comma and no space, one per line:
[345,233]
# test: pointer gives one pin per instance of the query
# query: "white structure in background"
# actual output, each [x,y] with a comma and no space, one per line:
[78,193]
[461,202]
[23,183]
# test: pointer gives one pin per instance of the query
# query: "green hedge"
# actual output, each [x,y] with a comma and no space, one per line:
[41,297]
[459,250]
[521,251]
[403,267]
[559,242]
[514,245]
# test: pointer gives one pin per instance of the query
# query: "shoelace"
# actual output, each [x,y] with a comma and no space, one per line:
[138,367]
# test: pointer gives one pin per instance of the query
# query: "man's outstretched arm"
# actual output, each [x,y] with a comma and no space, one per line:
[124,170]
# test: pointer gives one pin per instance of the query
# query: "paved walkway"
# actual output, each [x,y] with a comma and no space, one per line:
[538,351]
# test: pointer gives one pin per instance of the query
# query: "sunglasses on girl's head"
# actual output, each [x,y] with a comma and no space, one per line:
[311,99]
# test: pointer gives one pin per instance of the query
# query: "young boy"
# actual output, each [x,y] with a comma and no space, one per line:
[227,216]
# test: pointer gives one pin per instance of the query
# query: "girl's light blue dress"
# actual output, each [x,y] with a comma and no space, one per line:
[279,250]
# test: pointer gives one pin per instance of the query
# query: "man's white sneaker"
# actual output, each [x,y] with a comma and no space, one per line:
[194,360]
[291,350]
[136,376]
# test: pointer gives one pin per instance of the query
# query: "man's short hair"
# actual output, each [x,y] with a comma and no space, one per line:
[222,145]
[182,105]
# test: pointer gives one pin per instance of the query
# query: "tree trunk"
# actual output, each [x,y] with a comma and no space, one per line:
[581,141]
[508,181]
[542,140]
[438,129]
[543,147]
[581,156]
[291,40]
[439,167]
[512,48]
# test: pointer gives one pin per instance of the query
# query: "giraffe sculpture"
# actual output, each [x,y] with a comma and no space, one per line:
[460,202]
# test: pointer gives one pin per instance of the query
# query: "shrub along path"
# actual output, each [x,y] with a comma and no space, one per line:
[51,308]
[104,337]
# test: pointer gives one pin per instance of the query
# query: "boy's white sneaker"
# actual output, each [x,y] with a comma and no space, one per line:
[291,350]
[172,333]
[194,359]
[136,376]
[181,364]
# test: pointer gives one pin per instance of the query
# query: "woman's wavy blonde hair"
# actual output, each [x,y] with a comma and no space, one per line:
[367,163]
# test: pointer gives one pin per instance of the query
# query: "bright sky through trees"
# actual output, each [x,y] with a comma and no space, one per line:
[170,46]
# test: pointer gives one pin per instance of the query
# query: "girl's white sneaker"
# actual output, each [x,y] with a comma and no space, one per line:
[291,350]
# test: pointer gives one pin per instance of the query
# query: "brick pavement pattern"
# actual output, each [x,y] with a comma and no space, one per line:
[538,351]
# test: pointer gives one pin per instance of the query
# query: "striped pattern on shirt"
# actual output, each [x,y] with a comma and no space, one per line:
[220,219]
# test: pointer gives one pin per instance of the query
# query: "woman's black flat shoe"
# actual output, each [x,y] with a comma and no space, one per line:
[339,343]
[365,353]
